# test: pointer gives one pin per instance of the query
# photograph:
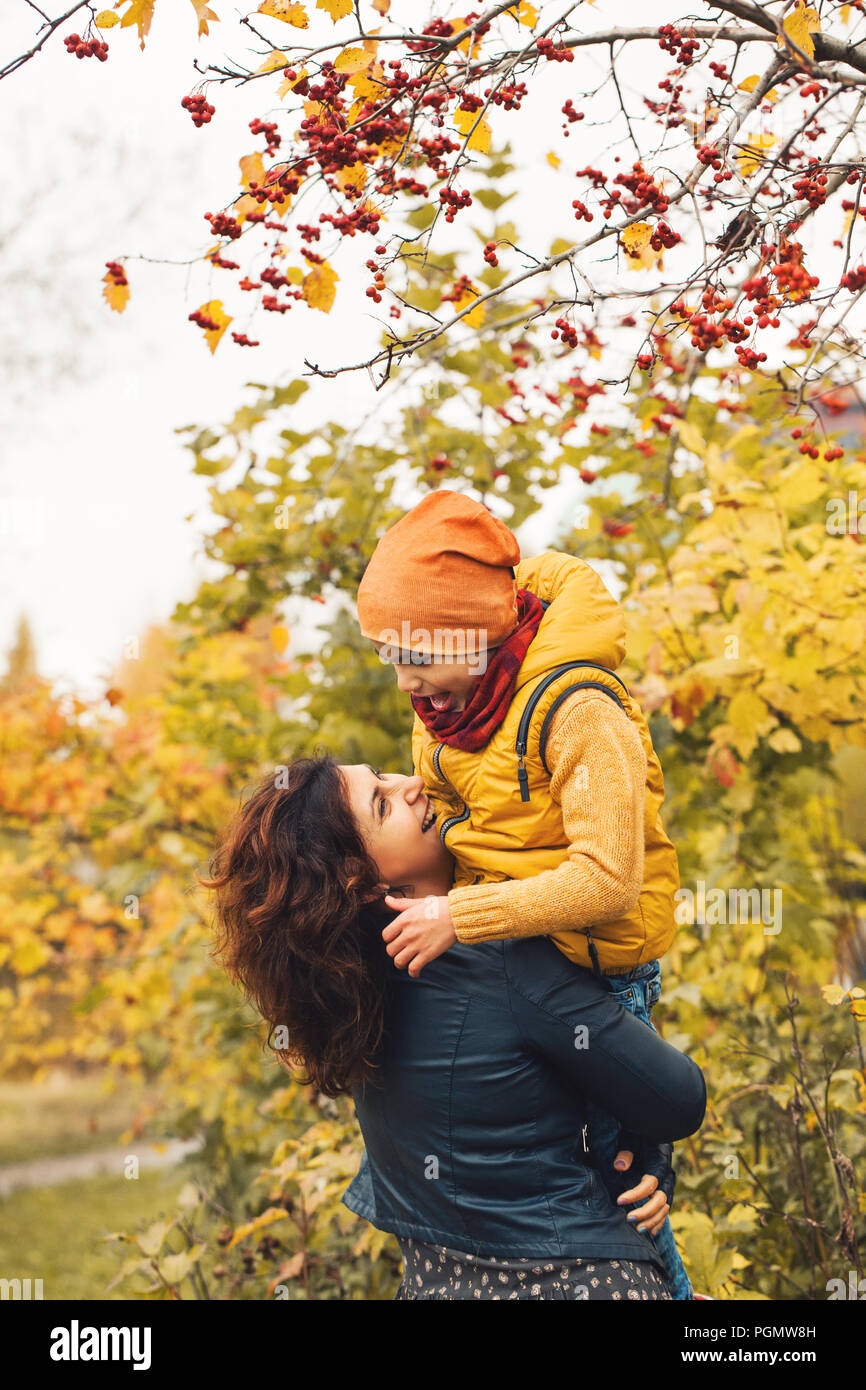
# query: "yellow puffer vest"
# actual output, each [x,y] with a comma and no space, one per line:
[494,807]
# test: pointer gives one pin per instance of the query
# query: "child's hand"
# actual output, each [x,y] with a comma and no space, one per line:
[422,932]
[652,1216]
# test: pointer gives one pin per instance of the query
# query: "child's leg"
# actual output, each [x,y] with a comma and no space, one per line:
[637,990]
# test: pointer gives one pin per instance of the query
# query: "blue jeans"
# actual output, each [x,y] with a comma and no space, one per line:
[637,990]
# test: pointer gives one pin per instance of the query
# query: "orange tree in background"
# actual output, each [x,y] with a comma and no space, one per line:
[732,150]
[744,589]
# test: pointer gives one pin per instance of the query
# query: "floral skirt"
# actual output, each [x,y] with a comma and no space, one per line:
[432,1271]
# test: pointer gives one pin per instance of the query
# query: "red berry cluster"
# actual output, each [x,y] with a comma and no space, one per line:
[615,528]
[269,130]
[812,185]
[374,291]
[791,275]
[811,89]
[222,224]
[117,273]
[204,320]
[671,41]
[243,341]
[646,192]
[86,48]
[570,114]
[664,237]
[854,279]
[645,360]
[199,108]
[509,95]
[568,331]
[708,154]
[440,462]
[747,357]
[581,211]
[490,253]
[454,201]
[557,54]
[670,109]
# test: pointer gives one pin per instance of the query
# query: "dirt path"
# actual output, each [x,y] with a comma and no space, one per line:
[44,1172]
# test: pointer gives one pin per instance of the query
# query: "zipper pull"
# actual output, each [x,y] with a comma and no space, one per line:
[523,779]
[583,1137]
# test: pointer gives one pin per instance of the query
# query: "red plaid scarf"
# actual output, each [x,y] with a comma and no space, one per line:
[474,725]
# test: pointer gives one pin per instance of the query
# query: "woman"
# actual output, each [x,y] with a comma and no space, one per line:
[471,1081]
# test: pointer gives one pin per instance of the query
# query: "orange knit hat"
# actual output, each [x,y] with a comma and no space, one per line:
[442,573]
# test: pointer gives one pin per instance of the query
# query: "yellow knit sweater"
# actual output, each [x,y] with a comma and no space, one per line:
[598,772]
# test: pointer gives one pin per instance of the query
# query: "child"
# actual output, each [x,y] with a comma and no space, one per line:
[538,762]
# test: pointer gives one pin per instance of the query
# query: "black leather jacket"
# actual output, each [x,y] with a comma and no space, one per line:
[475,1131]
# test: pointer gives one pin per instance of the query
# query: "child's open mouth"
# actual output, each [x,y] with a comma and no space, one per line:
[441,702]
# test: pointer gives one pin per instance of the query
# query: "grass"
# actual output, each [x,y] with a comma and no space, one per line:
[64,1115]
[51,1233]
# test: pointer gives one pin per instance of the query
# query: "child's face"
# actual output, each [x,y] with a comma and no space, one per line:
[447,683]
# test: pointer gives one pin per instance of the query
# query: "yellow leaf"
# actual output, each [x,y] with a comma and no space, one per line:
[858,1009]
[287,11]
[833,994]
[749,84]
[553,159]
[337,9]
[636,243]
[203,14]
[320,287]
[354,175]
[382,6]
[140,13]
[353,60]
[784,741]
[252,169]
[691,438]
[279,638]
[274,62]
[845,13]
[29,956]
[752,156]
[476,315]
[267,1218]
[526,14]
[106,19]
[480,137]
[214,310]
[800,25]
[115,295]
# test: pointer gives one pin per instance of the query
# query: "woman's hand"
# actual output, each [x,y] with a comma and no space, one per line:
[650,1217]
[422,932]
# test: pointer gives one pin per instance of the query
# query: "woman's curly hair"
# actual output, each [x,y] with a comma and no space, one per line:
[300,908]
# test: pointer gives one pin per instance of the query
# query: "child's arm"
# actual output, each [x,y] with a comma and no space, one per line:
[598,777]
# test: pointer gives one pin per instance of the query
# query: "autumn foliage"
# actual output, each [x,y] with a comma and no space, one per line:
[716,467]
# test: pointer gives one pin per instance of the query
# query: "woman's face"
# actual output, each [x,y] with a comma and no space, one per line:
[396,819]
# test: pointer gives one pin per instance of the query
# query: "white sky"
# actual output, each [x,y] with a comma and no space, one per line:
[94,485]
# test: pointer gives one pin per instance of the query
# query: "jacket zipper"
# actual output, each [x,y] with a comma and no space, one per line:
[452,820]
[526,716]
